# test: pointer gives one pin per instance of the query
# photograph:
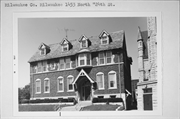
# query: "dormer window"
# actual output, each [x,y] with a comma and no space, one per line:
[83,41]
[65,44]
[65,47]
[44,49]
[104,37]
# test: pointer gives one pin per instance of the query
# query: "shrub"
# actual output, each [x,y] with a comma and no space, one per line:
[106,100]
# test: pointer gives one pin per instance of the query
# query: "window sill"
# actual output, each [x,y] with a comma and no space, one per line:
[60,91]
[38,93]
[112,88]
[46,92]
[70,91]
[101,89]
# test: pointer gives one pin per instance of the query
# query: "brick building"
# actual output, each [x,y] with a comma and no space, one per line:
[147,61]
[97,66]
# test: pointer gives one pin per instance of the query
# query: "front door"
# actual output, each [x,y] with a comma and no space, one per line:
[86,92]
[147,101]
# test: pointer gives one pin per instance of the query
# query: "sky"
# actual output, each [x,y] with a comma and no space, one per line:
[33,31]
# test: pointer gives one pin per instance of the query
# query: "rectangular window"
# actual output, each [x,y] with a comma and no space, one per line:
[104,40]
[38,86]
[60,84]
[68,63]
[100,81]
[108,57]
[101,58]
[112,80]
[69,82]
[43,51]
[65,47]
[82,59]
[62,64]
[84,43]
[46,86]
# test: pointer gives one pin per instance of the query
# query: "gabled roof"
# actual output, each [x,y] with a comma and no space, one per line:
[104,32]
[83,37]
[43,44]
[64,41]
[82,73]
[56,49]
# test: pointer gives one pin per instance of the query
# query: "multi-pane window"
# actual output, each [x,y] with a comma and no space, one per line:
[101,58]
[108,57]
[69,83]
[100,80]
[84,59]
[46,85]
[65,47]
[112,79]
[43,51]
[38,86]
[104,40]
[62,66]
[68,63]
[84,44]
[60,84]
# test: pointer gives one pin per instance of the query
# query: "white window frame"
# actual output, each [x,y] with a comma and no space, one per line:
[101,58]
[84,58]
[44,63]
[108,57]
[60,77]
[70,76]
[64,46]
[41,51]
[115,80]
[39,65]
[47,79]
[104,37]
[39,86]
[100,73]
[52,63]
[85,43]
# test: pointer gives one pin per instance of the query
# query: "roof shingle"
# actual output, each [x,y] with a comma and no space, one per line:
[56,49]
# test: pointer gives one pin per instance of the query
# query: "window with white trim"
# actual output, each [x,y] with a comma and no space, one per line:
[100,80]
[39,67]
[70,79]
[60,84]
[112,79]
[84,59]
[104,39]
[108,57]
[101,58]
[44,65]
[84,43]
[38,85]
[46,85]
[52,65]
[65,47]
[62,64]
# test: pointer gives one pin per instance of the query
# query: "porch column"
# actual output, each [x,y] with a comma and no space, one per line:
[92,91]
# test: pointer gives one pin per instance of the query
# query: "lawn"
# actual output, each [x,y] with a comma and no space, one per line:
[100,108]
[38,107]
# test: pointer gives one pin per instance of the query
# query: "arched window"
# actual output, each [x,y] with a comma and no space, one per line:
[38,86]
[60,84]
[70,79]
[112,80]
[100,80]
[46,85]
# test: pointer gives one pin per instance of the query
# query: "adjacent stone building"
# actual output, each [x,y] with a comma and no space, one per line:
[147,61]
[96,66]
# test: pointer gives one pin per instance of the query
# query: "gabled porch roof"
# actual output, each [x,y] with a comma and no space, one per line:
[83,73]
